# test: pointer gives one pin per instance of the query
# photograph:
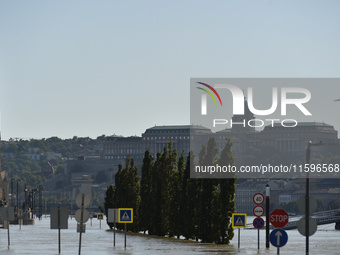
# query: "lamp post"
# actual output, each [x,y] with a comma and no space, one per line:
[267,214]
[33,202]
[25,205]
[11,203]
[40,201]
[307,198]
[18,195]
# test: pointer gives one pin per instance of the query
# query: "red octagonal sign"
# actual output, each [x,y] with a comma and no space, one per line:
[279,218]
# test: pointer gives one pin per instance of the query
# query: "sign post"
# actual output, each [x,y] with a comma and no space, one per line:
[267,214]
[278,238]
[258,211]
[59,217]
[82,215]
[100,217]
[125,215]
[7,215]
[112,216]
[258,223]
[239,220]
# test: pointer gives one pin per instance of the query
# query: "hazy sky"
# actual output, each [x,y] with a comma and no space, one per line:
[88,68]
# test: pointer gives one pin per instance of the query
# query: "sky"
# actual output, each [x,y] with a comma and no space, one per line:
[88,68]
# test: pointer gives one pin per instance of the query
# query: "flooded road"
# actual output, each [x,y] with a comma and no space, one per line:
[40,239]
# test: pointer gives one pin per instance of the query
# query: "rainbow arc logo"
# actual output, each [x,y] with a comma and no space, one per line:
[204,97]
[209,93]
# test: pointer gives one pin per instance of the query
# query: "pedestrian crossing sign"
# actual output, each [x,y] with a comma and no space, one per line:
[125,215]
[100,216]
[239,220]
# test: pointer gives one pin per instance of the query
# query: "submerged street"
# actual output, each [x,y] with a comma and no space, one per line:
[40,239]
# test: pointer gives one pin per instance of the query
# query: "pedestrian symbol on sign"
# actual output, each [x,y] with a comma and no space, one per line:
[126,216]
[239,222]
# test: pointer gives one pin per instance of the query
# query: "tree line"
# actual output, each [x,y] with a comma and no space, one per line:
[167,202]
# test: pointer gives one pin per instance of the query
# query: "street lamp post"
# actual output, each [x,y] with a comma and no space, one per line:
[25,197]
[267,214]
[18,195]
[33,202]
[11,203]
[307,199]
[40,201]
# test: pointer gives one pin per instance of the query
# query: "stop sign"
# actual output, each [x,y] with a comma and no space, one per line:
[279,218]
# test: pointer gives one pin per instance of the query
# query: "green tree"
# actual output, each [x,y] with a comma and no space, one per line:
[109,202]
[145,208]
[156,198]
[175,213]
[161,196]
[126,192]
[189,201]
[224,204]
[168,179]
[207,192]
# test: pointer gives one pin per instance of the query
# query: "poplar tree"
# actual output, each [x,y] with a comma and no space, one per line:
[168,170]
[162,177]
[207,192]
[156,198]
[224,204]
[145,208]
[189,201]
[228,190]
[109,202]
[175,215]
[126,192]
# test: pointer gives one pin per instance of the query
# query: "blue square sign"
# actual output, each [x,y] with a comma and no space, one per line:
[239,220]
[125,215]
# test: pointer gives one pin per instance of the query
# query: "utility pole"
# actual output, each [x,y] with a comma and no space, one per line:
[18,195]
[267,214]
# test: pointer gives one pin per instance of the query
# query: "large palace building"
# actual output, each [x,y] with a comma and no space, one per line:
[285,140]
[154,139]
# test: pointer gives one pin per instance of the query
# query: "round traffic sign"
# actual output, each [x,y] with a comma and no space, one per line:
[278,237]
[301,226]
[86,215]
[279,218]
[79,200]
[258,223]
[258,198]
[258,211]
